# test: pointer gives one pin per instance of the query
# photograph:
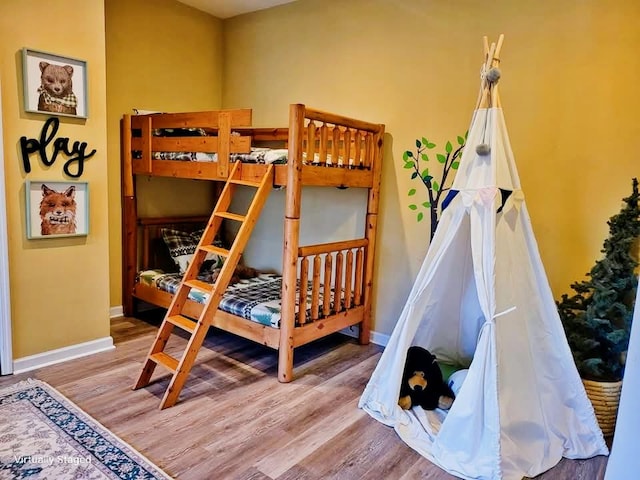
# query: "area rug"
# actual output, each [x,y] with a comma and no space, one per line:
[43,435]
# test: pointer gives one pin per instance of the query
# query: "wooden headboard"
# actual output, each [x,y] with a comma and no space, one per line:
[153,251]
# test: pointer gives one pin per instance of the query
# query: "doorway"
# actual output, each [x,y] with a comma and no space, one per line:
[6,354]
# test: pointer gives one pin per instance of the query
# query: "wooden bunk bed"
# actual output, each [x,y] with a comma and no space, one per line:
[322,149]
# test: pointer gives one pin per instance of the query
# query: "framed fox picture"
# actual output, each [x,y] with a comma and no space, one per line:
[57,209]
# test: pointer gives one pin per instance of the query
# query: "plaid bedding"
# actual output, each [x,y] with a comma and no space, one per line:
[256,299]
[257,155]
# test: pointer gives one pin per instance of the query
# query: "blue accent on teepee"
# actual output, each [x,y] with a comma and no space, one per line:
[447,200]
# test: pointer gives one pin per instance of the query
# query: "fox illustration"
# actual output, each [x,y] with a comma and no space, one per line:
[58,211]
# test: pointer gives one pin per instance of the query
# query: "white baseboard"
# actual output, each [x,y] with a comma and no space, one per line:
[375,337]
[380,338]
[115,312]
[59,355]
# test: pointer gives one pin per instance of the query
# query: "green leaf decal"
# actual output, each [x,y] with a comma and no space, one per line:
[449,160]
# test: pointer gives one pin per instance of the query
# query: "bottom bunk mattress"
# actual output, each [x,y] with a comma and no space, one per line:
[257,299]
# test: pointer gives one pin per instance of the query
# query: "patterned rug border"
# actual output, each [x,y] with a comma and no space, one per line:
[30,383]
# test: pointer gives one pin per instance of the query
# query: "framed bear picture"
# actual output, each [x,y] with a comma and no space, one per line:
[56,209]
[54,85]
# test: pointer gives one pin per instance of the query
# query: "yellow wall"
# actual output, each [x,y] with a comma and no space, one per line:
[59,287]
[569,88]
[166,57]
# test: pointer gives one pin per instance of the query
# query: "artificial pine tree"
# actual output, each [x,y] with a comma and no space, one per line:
[597,319]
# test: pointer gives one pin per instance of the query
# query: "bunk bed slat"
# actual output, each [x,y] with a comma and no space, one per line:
[304,278]
[166,360]
[200,285]
[315,290]
[215,250]
[239,118]
[183,322]
[326,293]
[231,216]
[348,280]
[337,284]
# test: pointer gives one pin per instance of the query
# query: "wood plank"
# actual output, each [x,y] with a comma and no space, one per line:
[206,144]
[320,328]
[327,176]
[319,115]
[319,248]
[167,361]
[176,169]
[208,119]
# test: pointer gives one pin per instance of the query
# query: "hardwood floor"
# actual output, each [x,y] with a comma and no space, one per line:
[235,421]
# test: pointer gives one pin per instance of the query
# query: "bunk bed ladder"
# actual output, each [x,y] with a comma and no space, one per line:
[197,329]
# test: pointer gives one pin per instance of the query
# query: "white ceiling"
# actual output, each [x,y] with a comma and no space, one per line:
[231,8]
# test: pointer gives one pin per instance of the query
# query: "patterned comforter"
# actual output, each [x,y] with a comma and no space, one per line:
[256,299]
[257,155]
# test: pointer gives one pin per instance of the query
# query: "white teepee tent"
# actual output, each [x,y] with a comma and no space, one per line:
[482,300]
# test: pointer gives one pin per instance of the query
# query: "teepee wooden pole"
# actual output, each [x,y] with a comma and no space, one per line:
[489,93]
[495,96]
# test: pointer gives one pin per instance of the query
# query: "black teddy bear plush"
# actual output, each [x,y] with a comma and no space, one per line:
[422,382]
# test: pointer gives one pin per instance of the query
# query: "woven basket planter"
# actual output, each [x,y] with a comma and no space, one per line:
[605,398]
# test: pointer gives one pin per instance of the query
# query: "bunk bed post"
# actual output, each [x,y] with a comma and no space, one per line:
[224,138]
[291,243]
[370,234]
[129,219]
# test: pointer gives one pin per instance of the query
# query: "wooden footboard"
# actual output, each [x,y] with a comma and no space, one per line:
[335,270]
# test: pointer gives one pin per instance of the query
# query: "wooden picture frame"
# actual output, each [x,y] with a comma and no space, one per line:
[56,209]
[53,84]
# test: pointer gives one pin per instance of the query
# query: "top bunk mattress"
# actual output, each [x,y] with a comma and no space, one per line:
[258,155]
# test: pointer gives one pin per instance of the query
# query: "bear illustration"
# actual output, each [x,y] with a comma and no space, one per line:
[56,89]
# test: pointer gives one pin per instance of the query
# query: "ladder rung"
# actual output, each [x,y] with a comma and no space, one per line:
[248,183]
[217,250]
[182,322]
[231,216]
[200,285]
[165,360]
